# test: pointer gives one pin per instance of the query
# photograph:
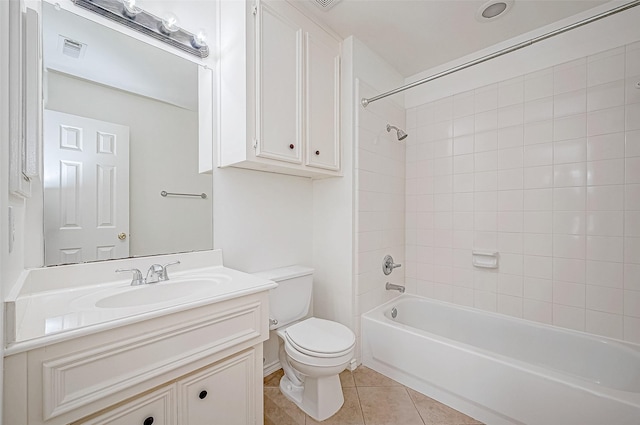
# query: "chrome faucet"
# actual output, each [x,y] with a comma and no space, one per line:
[392,287]
[137,278]
[388,265]
[156,273]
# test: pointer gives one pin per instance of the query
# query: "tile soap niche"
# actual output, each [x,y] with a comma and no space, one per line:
[485,259]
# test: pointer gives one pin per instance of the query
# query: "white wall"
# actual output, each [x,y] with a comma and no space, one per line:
[542,167]
[163,156]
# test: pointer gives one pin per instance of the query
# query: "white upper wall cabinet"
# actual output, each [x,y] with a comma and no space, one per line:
[279,90]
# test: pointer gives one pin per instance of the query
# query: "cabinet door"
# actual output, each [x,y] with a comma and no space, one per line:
[322,111]
[156,408]
[279,86]
[223,394]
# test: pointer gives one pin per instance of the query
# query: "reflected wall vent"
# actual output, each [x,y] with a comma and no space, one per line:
[325,4]
[71,48]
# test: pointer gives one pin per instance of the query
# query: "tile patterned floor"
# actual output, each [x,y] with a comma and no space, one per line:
[369,399]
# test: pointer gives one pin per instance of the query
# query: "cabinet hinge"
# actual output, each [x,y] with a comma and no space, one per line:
[255,10]
[255,143]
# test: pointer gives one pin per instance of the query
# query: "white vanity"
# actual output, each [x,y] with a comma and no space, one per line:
[86,347]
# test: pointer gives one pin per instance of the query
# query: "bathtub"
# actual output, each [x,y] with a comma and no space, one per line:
[503,370]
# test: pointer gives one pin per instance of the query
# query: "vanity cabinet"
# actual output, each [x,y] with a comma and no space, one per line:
[279,90]
[197,366]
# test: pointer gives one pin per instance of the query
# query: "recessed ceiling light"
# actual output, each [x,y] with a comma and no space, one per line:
[493,9]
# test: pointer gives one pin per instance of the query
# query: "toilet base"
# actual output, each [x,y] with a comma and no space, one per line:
[319,398]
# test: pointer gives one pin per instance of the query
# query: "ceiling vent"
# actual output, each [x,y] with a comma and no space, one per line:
[325,4]
[71,48]
[493,9]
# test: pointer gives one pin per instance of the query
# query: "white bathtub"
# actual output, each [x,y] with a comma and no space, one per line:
[503,370]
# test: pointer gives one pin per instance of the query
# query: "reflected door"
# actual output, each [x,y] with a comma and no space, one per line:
[86,189]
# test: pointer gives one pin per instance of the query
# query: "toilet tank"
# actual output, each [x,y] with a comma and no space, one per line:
[291,300]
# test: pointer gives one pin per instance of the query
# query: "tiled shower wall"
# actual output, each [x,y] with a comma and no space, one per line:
[380,193]
[544,169]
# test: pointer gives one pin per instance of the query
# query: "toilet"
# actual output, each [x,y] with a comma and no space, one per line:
[313,351]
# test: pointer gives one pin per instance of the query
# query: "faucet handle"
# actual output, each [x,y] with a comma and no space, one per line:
[154,274]
[388,265]
[137,276]
[165,276]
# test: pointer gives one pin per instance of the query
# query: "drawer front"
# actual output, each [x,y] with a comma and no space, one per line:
[86,376]
[157,408]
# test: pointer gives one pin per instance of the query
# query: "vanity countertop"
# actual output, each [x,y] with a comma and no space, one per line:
[38,318]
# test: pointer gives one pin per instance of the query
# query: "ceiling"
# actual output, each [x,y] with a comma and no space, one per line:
[417,35]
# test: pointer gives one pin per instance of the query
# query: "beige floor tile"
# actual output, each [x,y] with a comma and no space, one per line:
[273,380]
[365,377]
[349,414]
[278,410]
[346,379]
[436,413]
[388,406]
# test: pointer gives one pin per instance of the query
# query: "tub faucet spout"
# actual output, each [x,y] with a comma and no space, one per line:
[392,287]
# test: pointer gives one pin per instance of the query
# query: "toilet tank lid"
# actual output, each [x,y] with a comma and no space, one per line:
[284,273]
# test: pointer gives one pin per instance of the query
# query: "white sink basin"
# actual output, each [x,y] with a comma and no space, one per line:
[159,293]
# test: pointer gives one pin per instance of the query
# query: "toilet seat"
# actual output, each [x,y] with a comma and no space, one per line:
[320,338]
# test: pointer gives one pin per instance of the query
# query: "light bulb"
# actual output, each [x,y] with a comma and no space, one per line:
[169,24]
[130,8]
[199,39]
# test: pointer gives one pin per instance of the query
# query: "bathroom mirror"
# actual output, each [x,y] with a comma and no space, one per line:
[120,127]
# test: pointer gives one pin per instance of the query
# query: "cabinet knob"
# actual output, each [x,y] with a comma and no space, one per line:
[317,152]
[148,421]
[202,394]
[291,146]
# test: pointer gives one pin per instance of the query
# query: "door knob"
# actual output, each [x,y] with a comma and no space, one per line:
[122,236]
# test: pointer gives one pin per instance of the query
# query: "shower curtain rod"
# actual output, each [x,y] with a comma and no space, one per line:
[365,102]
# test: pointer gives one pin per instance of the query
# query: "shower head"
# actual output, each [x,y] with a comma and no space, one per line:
[401,134]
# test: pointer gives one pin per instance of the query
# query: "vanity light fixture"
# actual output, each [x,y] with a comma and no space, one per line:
[164,29]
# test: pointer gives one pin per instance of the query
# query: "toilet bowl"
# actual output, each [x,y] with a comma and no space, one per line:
[312,351]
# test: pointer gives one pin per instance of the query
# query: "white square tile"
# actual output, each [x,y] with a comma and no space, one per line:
[606,96]
[632,303]
[570,103]
[510,242]
[443,166]
[510,200]
[601,298]
[538,200]
[569,222]
[632,223]
[463,164]
[605,248]
[484,241]
[567,175]
[485,121]
[631,329]
[632,118]
[424,203]
[537,155]
[443,184]
[605,324]
[511,115]
[509,305]
[486,301]
[606,121]
[443,109]
[511,264]
[462,258]
[606,70]
[510,179]
[606,172]
[538,267]
[442,130]
[443,220]
[486,201]
[485,221]
[632,170]
[571,127]
[442,148]
[463,104]
[538,289]
[486,181]
[485,141]
[510,221]
[509,284]
[484,280]
[606,198]
[538,244]
[538,110]
[631,92]
[569,317]
[632,143]
[538,311]
[463,277]
[538,221]
[486,98]
[510,158]
[569,293]
[569,78]
[463,145]
[510,137]
[443,202]
[632,277]
[569,199]
[603,273]
[511,92]
[538,177]
[606,146]
[569,246]
[463,221]
[632,62]
[570,151]
[605,223]
[463,126]
[538,132]
[538,84]
[632,197]
[569,270]
[463,202]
